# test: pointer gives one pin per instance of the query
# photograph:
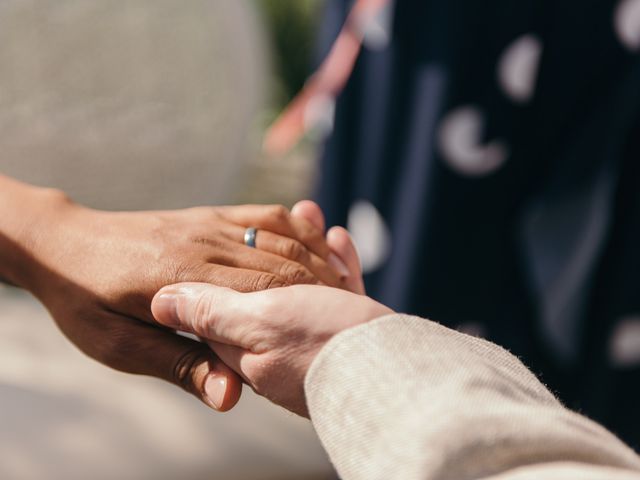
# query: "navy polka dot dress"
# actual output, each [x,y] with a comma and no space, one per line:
[487,160]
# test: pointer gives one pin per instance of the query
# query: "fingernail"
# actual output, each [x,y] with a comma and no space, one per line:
[338,265]
[165,309]
[215,387]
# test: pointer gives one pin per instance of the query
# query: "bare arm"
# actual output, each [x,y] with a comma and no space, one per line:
[96,272]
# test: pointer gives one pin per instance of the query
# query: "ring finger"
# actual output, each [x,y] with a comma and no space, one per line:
[284,247]
[296,251]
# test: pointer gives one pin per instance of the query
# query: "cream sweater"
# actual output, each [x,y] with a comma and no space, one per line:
[405,398]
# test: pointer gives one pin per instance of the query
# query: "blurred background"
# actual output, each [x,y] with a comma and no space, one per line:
[467,203]
[144,104]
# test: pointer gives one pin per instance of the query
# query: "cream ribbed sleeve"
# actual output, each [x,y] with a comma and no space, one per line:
[405,398]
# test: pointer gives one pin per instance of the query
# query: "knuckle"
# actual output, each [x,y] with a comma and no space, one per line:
[267,281]
[184,367]
[179,271]
[310,235]
[295,273]
[308,230]
[279,212]
[293,250]
[201,315]
[185,271]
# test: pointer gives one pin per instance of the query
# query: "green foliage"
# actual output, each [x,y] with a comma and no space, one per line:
[292,26]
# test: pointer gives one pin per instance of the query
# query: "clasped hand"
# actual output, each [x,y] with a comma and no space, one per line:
[270,338]
[97,272]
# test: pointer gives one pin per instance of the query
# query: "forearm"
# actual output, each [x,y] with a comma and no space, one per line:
[25,213]
[423,401]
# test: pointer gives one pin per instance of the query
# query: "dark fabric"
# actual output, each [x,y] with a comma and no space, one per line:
[543,251]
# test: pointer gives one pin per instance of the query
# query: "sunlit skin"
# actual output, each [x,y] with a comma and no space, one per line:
[97,272]
[271,337]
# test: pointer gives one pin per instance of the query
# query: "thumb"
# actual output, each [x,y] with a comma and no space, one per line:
[212,313]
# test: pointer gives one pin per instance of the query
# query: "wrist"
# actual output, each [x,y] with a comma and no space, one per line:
[27,217]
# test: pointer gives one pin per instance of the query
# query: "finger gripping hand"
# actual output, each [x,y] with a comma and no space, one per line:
[131,346]
[270,338]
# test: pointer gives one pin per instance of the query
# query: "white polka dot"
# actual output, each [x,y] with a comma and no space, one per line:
[319,116]
[624,346]
[518,68]
[626,21]
[459,138]
[474,329]
[370,234]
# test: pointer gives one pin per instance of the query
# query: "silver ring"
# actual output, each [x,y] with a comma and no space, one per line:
[250,237]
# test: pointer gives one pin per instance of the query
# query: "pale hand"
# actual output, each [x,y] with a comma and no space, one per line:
[270,338]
